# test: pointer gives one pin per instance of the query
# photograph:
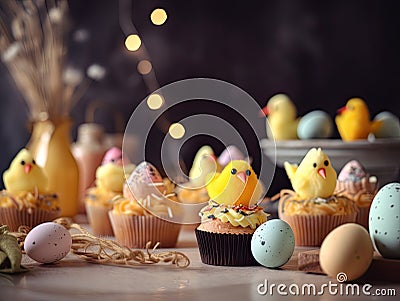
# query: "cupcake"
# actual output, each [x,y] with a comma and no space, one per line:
[357,185]
[110,178]
[26,201]
[312,209]
[231,217]
[144,211]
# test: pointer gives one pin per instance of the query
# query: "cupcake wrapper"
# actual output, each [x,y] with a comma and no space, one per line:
[225,249]
[310,230]
[26,217]
[136,231]
[99,220]
[363,216]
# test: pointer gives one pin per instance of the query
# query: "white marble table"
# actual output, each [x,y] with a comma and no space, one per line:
[74,279]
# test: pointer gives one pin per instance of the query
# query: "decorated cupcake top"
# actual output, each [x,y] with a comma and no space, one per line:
[236,185]
[204,163]
[24,175]
[314,177]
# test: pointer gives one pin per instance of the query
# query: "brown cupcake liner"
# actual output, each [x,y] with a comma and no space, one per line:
[99,220]
[310,230]
[363,216]
[135,231]
[31,217]
[225,249]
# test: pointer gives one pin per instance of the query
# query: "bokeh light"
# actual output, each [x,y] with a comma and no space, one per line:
[158,16]
[133,42]
[155,101]
[144,67]
[176,130]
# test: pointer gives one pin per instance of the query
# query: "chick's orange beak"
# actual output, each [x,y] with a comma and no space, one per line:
[242,176]
[341,110]
[264,112]
[322,172]
[27,168]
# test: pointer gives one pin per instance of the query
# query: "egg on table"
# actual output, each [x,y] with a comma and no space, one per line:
[384,221]
[390,127]
[346,252]
[272,243]
[315,125]
[48,242]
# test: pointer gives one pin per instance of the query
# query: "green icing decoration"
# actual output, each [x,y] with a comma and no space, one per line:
[10,253]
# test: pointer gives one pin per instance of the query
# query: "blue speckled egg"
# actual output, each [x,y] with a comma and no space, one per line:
[390,127]
[384,221]
[315,125]
[272,244]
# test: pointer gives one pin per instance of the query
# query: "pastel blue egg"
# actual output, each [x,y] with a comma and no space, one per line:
[272,243]
[315,125]
[390,125]
[384,221]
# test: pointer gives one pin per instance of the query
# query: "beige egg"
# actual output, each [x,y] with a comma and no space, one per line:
[346,253]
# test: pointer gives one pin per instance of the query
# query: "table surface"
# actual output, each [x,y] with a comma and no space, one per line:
[75,279]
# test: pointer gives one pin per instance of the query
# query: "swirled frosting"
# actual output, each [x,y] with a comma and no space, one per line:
[235,215]
[29,200]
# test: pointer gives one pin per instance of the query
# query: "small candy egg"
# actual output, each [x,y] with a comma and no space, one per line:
[315,125]
[352,171]
[272,244]
[229,154]
[384,221]
[390,127]
[48,242]
[346,252]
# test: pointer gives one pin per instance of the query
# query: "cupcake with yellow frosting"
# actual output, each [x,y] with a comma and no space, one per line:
[231,217]
[136,224]
[312,209]
[26,200]
[357,185]
[110,178]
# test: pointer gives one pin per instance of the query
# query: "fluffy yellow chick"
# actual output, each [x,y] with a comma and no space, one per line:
[281,114]
[24,175]
[314,177]
[204,164]
[237,184]
[110,177]
[353,121]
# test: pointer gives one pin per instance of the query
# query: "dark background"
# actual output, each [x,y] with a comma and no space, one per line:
[320,53]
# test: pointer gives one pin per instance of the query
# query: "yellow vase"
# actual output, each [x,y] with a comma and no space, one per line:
[50,145]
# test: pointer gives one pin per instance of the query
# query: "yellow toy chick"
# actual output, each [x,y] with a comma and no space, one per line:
[353,121]
[236,185]
[204,164]
[24,175]
[281,114]
[314,177]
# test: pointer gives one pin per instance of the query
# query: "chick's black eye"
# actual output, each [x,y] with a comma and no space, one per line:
[315,165]
[248,172]
[22,162]
[112,160]
[326,162]
[34,162]
[233,171]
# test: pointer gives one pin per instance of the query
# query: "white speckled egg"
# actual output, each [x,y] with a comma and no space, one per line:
[272,243]
[315,125]
[390,127]
[48,242]
[346,249]
[384,221]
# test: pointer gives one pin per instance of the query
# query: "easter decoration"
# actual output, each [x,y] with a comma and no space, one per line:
[312,209]
[110,178]
[346,252]
[384,221]
[272,244]
[140,214]
[353,121]
[390,127]
[315,125]
[357,185]
[10,253]
[26,200]
[230,153]
[282,118]
[231,217]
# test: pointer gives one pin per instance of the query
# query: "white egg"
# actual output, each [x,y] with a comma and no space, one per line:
[390,127]
[384,221]
[272,244]
[315,125]
[48,242]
